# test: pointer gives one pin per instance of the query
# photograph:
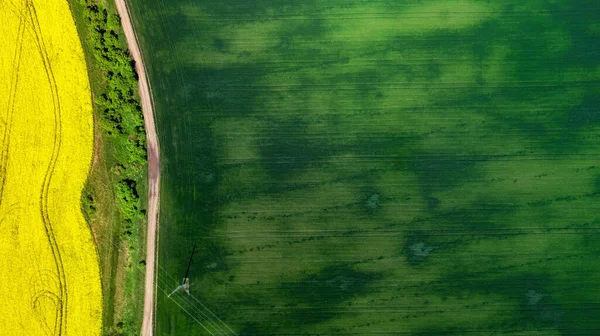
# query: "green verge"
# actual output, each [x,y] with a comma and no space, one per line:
[114,197]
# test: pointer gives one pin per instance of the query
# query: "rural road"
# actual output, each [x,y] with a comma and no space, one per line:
[153,168]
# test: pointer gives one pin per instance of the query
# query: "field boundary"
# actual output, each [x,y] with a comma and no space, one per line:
[145,93]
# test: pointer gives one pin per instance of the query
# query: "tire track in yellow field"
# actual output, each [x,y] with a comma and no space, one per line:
[46,128]
[10,109]
[61,316]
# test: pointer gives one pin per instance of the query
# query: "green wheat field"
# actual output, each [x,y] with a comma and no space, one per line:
[377,167]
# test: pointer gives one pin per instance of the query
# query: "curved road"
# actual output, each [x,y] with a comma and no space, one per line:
[153,168]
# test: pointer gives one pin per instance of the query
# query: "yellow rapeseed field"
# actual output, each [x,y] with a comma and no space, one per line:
[49,272]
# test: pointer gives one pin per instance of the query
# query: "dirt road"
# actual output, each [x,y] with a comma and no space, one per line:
[153,169]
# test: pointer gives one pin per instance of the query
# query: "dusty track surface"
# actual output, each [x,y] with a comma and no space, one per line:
[153,168]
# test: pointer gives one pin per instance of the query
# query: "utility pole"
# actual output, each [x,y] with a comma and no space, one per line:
[185,283]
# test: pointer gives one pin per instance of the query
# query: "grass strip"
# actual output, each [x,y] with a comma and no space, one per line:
[114,197]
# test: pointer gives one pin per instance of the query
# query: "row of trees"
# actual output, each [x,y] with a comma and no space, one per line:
[119,114]
[120,111]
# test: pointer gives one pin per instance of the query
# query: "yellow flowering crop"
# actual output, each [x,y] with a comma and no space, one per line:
[49,272]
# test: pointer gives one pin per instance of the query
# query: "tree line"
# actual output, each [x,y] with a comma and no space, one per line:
[119,108]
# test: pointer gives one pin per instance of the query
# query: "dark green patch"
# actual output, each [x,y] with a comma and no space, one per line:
[439,171]
[288,149]
[317,294]
[585,114]
[331,286]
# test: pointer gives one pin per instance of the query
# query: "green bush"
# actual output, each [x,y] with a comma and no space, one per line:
[120,110]
[129,199]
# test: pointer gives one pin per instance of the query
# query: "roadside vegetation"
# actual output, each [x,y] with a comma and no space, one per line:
[112,199]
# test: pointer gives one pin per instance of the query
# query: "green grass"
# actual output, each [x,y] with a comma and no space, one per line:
[107,215]
[378,167]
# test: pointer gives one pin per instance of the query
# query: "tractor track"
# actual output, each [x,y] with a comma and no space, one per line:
[11,105]
[62,295]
